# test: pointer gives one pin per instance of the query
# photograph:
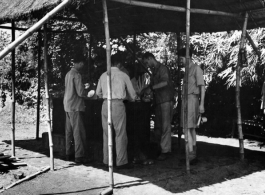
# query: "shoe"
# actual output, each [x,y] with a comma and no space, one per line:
[148,162]
[163,156]
[125,166]
[82,160]
[193,158]
[70,157]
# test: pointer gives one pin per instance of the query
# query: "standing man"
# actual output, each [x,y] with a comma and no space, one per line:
[120,83]
[196,94]
[74,107]
[163,89]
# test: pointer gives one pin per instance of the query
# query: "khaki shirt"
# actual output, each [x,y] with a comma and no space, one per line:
[195,79]
[120,83]
[74,92]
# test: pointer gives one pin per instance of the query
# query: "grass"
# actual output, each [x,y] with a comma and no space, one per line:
[23,115]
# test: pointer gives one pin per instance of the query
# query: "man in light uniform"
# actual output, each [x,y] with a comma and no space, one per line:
[196,94]
[120,83]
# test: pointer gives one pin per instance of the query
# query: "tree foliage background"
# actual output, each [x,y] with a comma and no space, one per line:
[216,53]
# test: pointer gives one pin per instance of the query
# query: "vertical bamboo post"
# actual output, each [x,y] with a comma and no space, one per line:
[185,98]
[106,25]
[13,92]
[47,95]
[90,56]
[134,52]
[238,81]
[179,87]
[38,100]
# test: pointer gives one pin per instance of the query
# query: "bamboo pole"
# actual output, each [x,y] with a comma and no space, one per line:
[110,144]
[48,30]
[42,170]
[38,100]
[179,88]
[185,98]
[34,28]
[134,52]
[175,8]
[13,92]
[255,48]
[46,80]
[131,51]
[238,80]
[90,56]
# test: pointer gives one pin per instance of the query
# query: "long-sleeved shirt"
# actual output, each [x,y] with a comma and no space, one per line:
[120,83]
[74,92]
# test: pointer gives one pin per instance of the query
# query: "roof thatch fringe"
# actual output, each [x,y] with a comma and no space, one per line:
[12,9]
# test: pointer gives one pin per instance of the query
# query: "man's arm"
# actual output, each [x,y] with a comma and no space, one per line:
[201,107]
[160,85]
[99,89]
[130,89]
[79,86]
[164,78]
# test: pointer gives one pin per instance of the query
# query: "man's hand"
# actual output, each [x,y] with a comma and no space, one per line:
[87,85]
[201,108]
[146,90]
[91,93]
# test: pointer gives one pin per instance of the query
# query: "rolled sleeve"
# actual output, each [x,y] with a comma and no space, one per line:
[199,77]
[99,89]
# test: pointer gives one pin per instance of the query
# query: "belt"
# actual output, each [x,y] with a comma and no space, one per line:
[114,99]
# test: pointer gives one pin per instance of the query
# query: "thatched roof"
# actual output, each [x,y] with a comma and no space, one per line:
[128,19]
[14,9]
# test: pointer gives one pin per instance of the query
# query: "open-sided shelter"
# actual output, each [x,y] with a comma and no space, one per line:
[127,17]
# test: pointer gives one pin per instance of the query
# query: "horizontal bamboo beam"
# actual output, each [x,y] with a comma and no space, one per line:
[48,30]
[34,28]
[175,8]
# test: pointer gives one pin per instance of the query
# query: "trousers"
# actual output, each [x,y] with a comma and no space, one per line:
[119,124]
[75,134]
[163,118]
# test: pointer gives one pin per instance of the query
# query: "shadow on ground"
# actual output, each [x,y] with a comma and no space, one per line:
[216,164]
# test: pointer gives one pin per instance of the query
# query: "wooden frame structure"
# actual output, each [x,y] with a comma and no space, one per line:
[257,12]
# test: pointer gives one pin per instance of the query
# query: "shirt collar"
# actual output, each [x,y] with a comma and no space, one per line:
[74,69]
[115,68]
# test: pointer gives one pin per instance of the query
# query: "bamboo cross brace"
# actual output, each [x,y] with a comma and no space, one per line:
[175,8]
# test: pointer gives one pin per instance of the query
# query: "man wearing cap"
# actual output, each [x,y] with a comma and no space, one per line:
[196,94]
[163,89]
[121,84]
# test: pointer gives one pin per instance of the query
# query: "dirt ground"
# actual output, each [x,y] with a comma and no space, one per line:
[218,171]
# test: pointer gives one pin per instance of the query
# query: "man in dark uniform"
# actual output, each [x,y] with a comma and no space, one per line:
[164,95]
